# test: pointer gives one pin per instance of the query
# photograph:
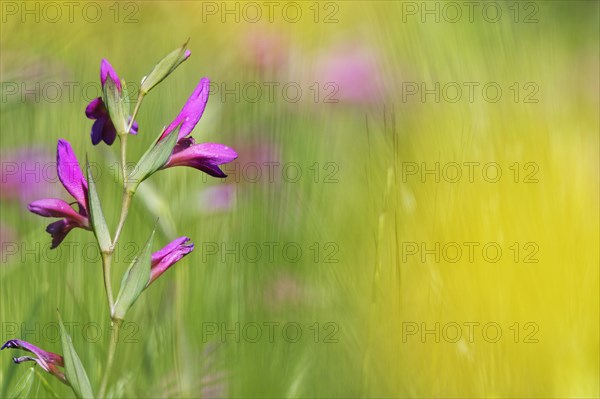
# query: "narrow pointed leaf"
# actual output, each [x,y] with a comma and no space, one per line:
[74,371]
[97,217]
[164,68]
[134,280]
[23,386]
[47,387]
[157,155]
[125,96]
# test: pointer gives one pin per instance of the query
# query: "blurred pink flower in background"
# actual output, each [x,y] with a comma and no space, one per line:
[257,152]
[265,50]
[27,174]
[283,290]
[215,199]
[355,71]
[261,150]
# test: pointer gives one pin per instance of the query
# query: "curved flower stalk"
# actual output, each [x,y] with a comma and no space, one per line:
[48,361]
[73,181]
[172,147]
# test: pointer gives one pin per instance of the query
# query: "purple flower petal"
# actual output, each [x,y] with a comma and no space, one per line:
[69,173]
[48,361]
[109,133]
[134,127]
[205,157]
[57,208]
[158,255]
[183,144]
[168,256]
[103,129]
[48,357]
[192,110]
[96,109]
[59,230]
[97,130]
[106,70]
[72,179]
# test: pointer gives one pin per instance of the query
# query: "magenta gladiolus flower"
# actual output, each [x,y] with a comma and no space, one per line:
[191,112]
[72,179]
[48,361]
[107,71]
[205,156]
[104,129]
[168,256]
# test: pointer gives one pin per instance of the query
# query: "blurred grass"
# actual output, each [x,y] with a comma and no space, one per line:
[369,213]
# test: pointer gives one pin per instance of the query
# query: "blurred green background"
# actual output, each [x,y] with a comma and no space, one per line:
[333,132]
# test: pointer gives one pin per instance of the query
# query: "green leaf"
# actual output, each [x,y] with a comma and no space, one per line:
[23,386]
[134,280]
[164,68]
[74,371]
[117,104]
[155,157]
[46,385]
[96,216]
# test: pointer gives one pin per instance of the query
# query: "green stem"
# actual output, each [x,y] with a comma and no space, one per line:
[107,256]
[136,109]
[115,324]
[126,203]
[123,140]
[127,194]
[106,263]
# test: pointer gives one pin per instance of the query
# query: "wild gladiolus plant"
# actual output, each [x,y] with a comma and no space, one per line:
[173,146]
